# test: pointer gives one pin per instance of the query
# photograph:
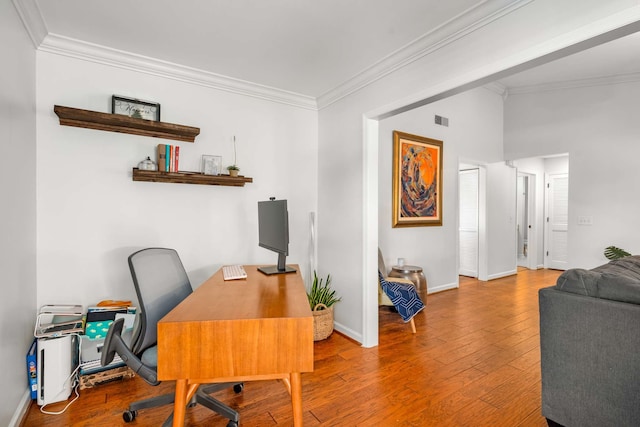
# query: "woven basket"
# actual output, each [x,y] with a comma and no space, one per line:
[322,322]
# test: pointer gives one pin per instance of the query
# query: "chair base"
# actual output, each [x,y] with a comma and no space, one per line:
[201,397]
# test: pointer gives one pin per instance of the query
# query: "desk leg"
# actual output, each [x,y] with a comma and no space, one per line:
[180,403]
[296,398]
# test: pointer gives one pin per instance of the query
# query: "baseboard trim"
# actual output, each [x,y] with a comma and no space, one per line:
[441,288]
[348,332]
[21,410]
[503,274]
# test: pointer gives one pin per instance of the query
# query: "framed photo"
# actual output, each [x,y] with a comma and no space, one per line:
[211,165]
[417,180]
[135,108]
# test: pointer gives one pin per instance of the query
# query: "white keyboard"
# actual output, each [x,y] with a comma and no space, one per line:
[233,272]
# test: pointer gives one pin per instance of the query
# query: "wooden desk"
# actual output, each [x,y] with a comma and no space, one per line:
[260,328]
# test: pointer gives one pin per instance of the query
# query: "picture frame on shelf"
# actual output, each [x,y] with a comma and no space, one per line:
[135,108]
[211,165]
[417,180]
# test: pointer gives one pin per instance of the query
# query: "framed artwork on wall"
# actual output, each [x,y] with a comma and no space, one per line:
[135,108]
[211,165]
[417,180]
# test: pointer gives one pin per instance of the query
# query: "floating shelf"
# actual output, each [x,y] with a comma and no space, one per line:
[124,124]
[190,178]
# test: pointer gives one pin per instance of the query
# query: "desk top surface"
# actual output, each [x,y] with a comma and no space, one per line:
[249,329]
[257,297]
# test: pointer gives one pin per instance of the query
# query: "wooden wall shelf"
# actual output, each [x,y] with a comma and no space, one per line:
[124,124]
[190,178]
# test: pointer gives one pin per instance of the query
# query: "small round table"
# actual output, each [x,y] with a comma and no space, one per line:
[413,273]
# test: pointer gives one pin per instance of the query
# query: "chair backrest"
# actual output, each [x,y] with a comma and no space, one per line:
[161,284]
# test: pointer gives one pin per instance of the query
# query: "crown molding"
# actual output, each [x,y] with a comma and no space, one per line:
[445,34]
[31,17]
[575,84]
[498,88]
[48,42]
[448,32]
[73,48]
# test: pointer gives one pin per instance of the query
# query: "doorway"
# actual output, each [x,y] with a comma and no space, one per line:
[525,214]
[468,228]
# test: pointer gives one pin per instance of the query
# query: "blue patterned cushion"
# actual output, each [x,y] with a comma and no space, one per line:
[404,297]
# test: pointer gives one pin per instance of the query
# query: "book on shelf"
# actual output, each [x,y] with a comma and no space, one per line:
[168,158]
[162,157]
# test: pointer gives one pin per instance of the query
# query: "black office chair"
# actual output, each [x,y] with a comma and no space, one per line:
[161,283]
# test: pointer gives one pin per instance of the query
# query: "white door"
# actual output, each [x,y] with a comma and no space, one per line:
[556,251]
[468,220]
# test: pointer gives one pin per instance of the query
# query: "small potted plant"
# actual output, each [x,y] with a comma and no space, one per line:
[233,170]
[321,300]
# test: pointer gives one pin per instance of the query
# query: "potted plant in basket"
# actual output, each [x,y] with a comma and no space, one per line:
[321,300]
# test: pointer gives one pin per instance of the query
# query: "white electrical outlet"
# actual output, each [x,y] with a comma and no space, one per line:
[585,220]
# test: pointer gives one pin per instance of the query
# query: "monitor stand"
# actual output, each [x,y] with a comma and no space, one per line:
[273,269]
[281,268]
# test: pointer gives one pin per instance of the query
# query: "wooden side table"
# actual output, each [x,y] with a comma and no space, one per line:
[413,273]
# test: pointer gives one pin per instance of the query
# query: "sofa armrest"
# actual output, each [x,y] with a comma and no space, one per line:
[590,360]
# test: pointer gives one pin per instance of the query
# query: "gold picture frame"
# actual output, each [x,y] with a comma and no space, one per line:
[417,180]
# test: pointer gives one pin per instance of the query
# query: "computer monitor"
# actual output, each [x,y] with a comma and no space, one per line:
[273,233]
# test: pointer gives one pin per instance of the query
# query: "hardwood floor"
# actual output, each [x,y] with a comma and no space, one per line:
[473,362]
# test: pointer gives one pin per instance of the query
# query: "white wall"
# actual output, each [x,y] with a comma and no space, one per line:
[91,215]
[474,132]
[18,211]
[599,127]
[347,239]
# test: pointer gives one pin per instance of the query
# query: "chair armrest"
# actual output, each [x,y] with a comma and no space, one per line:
[114,343]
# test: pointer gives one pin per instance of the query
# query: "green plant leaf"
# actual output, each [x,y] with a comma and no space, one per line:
[321,292]
[612,252]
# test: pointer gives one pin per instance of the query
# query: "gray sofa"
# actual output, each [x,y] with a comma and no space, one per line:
[590,346]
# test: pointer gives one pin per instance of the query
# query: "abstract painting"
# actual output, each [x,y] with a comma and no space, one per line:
[417,180]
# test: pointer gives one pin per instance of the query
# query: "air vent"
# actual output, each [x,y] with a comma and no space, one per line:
[443,121]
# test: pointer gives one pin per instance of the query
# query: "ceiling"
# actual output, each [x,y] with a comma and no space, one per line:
[306,47]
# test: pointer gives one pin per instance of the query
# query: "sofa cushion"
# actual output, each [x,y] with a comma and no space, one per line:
[618,280]
[579,281]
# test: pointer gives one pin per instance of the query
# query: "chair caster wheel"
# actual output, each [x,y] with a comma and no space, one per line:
[238,389]
[129,416]
[232,424]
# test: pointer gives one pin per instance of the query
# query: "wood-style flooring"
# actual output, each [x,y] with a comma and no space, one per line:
[474,361]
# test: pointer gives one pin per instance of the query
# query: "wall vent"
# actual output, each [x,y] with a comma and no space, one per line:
[443,121]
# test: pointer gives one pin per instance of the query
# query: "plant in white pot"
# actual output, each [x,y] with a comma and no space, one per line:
[321,300]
